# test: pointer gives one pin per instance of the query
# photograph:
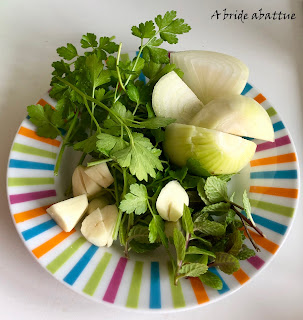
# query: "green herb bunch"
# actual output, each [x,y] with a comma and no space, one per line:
[105,112]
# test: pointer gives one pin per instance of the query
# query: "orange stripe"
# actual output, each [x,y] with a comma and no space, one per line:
[280,192]
[199,290]
[30,214]
[241,276]
[283,158]
[260,98]
[51,243]
[32,134]
[42,102]
[263,242]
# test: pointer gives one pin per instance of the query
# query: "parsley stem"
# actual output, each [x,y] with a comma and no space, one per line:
[117,67]
[64,142]
[94,163]
[91,114]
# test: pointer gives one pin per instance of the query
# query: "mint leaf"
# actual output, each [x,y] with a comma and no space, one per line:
[210,228]
[68,53]
[179,242]
[144,30]
[247,207]
[217,209]
[139,233]
[202,240]
[215,189]
[201,191]
[89,41]
[88,145]
[136,200]
[227,262]
[226,177]
[196,258]
[141,157]
[196,250]
[193,269]
[139,247]
[235,242]
[187,221]
[245,253]
[157,229]
[230,217]
[195,168]
[123,231]
[212,280]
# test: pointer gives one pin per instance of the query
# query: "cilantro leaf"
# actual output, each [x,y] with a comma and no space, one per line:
[211,280]
[141,157]
[136,200]
[179,242]
[89,41]
[215,189]
[68,53]
[227,262]
[144,30]
[193,269]
[187,221]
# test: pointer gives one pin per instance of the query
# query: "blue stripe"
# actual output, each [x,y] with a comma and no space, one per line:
[283,174]
[73,275]
[33,232]
[155,292]
[246,89]
[278,126]
[269,224]
[22,164]
[225,287]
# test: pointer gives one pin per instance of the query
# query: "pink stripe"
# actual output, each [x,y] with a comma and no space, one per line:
[23,197]
[112,289]
[277,143]
[256,262]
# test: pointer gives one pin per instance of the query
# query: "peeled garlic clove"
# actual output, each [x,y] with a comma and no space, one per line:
[83,184]
[171,200]
[99,202]
[77,182]
[98,226]
[67,213]
[100,174]
[94,230]
[170,226]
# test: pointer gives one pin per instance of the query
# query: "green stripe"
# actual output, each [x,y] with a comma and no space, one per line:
[275,208]
[15,182]
[34,151]
[176,290]
[58,262]
[271,111]
[94,280]
[134,290]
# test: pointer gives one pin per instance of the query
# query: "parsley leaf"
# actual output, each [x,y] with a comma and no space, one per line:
[141,157]
[136,200]
[108,144]
[98,76]
[144,30]
[88,145]
[68,53]
[89,41]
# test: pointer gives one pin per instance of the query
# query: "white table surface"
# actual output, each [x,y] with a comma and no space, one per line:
[30,32]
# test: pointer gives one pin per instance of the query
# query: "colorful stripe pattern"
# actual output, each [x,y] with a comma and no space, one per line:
[105,276]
